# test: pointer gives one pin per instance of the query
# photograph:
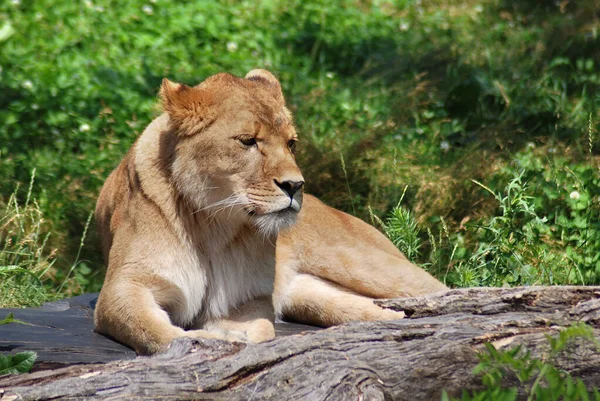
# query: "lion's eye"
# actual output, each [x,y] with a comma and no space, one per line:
[292,145]
[247,140]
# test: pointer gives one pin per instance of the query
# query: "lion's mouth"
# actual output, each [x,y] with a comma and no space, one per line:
[287,210]
[292,208]
[294,205]
[280,212]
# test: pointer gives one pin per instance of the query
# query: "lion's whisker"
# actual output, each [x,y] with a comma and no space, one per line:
[230,200]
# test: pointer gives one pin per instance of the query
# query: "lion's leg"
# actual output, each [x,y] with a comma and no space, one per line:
[129,313]
[312,300]
[137,316]
[372,273]
[254,318]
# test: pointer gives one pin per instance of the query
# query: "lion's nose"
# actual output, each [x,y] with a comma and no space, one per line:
[289,187]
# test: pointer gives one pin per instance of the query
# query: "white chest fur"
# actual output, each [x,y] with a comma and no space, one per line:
[219,275]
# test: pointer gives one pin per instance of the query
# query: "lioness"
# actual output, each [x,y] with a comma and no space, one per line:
[190,218]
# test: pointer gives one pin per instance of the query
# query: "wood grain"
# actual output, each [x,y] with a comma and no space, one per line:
[415,358]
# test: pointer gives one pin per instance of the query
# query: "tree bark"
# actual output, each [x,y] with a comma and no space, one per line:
[434,348]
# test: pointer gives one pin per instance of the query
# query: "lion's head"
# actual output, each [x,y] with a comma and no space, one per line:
[232,148]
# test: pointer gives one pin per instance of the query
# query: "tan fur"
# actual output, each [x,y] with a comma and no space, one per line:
[189,222]
[331,266]
[189,218]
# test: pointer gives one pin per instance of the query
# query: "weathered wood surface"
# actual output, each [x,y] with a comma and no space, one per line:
[434,348]
[61,333]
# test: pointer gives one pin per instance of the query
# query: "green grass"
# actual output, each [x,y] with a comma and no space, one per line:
[523,244]
[28,276]
[478,116]
[24,259]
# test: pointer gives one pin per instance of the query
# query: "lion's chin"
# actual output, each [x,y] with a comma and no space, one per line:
[271,223]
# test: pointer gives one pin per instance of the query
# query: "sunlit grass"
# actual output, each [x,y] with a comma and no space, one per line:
[24,258]
[427,96]
[27,275]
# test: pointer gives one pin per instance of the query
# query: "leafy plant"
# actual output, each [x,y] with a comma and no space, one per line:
[21,362]
[10,318]
[518,245]
[402,228]
[538,378]
[507,250]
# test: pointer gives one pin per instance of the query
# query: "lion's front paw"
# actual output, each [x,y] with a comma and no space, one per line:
[236,335]
[239,336]
[388,314]
[219,334]
[260,331]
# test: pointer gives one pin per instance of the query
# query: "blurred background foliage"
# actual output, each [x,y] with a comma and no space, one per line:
[482,116]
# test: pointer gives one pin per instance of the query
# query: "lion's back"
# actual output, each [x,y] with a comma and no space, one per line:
[112,202]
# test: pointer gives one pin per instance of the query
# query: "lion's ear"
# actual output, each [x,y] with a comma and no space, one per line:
[172,96]
[188,107]
[268,79]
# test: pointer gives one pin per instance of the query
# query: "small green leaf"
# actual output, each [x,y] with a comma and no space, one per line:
[21,362]
[10,318]
[6,31]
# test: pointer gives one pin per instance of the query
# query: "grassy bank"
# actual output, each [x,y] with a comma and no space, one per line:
[482,116]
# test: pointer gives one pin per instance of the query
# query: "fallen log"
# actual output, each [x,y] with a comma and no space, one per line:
[434,348]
